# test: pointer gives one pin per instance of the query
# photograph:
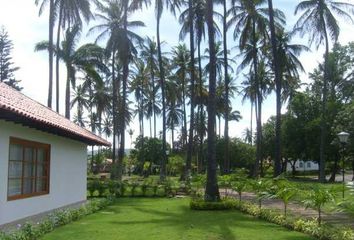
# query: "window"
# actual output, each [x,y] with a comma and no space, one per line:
[309,164]
[28,169]
[301,164]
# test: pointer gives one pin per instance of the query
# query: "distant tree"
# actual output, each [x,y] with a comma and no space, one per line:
[6,65]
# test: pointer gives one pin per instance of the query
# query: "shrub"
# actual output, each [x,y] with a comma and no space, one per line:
[200,204]
[31,231]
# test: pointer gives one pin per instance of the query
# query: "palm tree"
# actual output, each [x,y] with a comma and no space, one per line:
[319,21]
[250,92]
[83,59]
[290,65]
[115,24]
[51,53]
[181,58]
[172,5]
[174,112]
[139,83]
[81,100]
[276,67]
[149,54]
[101,100]
[212,188]
[251,26]
[70,13]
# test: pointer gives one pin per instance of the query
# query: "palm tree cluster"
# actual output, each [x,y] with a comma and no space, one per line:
[189,87]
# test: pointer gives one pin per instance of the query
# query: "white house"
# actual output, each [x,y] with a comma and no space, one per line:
[43,158]
[303,166]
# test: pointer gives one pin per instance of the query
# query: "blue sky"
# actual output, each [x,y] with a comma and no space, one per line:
[25,28]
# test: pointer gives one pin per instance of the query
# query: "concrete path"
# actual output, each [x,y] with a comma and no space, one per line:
[296,209]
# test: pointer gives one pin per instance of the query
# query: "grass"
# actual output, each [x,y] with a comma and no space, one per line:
[169,219]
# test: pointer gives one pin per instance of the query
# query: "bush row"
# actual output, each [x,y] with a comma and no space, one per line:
[102,188]
[307,226]
[33,231]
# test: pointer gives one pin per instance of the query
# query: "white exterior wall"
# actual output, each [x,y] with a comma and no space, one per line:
[67,173]
[303,166]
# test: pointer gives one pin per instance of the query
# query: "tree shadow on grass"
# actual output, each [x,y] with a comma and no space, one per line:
[223,224]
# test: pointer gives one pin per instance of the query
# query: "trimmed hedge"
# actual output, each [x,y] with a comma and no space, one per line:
[111,188]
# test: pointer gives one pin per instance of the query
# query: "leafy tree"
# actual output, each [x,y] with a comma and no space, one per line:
[319,21]
[7,69]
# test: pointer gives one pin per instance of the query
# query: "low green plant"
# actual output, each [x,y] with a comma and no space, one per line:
[33,231]
[239,186]
[200,204]
[317,198]
[260,188]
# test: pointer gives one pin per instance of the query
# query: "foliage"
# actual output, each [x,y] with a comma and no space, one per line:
[317,198]
[260,188]
[147,150]
[32,231]
[311,227]
[7,69]
[200,204]
[242,155]
[134,188]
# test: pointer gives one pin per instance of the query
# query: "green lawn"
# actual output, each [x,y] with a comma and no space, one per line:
[169,219]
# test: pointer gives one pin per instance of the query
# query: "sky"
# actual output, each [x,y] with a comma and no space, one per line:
[26,28]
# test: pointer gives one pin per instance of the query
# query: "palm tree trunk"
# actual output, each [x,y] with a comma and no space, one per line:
[212,188]
[251,122]
[192,69]
[162,78]
[125,61]
[201,108]
[227,83]
[184,113]
[150,123]
[259,106]
[172,137]
[51,30]
[114,109]
[322,173]
[152,72]
[67,93]
[277,160]
[57,60]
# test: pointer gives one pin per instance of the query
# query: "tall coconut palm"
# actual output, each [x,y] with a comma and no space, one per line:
[80,59]
[278,88]
[69,13]
[212,188]
[251,21]
[139,83]
[81,100]
[114,17]
[193,20]
[181,58]
[318,19]
[149,54]
[249,92]
[50,39]
[174,112]
[172,5]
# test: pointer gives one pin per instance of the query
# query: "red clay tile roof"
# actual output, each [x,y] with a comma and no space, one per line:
[16,107]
